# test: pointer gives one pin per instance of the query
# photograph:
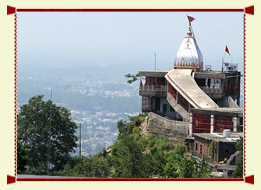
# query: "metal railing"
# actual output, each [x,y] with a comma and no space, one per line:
[153,88]
[212,90]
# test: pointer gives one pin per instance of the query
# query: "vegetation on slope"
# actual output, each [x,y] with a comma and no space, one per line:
[131,156]
[136,156]
[238,173]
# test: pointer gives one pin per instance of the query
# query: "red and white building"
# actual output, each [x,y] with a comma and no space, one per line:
[207,99]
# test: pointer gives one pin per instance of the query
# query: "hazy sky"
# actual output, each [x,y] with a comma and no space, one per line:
[125,38]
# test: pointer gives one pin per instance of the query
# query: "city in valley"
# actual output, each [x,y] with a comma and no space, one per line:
[95,104]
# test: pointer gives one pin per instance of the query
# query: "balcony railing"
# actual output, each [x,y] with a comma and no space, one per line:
[212,90]
[153,88]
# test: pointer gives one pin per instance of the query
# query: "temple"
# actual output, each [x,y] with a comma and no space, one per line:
[207,99]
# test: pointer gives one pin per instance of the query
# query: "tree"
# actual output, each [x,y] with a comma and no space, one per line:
[47,134]
[133,78]
[22,157]
[238,173]
[127,158]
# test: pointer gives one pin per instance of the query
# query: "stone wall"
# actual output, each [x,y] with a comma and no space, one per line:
[174,131]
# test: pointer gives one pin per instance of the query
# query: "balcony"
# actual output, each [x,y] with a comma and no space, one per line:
[153,90]
[213,92]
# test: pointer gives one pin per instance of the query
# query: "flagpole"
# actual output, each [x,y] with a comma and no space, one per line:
[223,61]
[226,50]
[222,64]
[155,61]
[190,19]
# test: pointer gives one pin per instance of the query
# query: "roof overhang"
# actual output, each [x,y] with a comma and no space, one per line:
[229,112]
[153,73]
[184,83]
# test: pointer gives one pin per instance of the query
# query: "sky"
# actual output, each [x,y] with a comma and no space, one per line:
[124,39]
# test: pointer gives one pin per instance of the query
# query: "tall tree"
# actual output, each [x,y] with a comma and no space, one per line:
[47,133]
[238,173]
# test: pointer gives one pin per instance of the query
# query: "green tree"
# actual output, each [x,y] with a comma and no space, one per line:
[238,173]
[85,167]
[132,79]
[47,133]
[127,158]
[203,170]
[190,168]
[136,156]
[22,157]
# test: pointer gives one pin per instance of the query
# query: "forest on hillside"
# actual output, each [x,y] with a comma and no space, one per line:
[46,150]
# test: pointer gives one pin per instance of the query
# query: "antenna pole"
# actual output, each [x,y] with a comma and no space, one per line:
[155,61]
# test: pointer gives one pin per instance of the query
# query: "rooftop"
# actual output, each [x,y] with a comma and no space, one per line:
[185,84]
[153,73]
[234,137]
[216,74]
[236,112]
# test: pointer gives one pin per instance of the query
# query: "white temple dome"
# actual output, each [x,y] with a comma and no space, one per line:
[189,55]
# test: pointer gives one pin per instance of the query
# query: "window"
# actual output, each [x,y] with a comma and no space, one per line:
[146,103]
[201,149]
[157,104]
[196,146]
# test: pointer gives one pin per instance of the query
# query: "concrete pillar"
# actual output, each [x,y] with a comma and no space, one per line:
[212,124]
[225,172]
[190,124]
[206,82]
[234,124]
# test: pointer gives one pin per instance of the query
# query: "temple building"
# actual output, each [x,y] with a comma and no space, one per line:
[207,99]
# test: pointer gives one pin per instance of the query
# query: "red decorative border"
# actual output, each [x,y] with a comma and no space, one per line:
[15,93]
[244,94]
[130,179]
[246,10]
[247,179]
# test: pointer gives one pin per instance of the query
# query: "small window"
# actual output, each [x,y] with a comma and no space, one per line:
[201,147]
[196,146]
[157,104]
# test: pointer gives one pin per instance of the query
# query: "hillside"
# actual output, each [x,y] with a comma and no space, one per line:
[137,156]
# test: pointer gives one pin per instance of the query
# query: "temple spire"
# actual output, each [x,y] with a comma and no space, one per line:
[189,55]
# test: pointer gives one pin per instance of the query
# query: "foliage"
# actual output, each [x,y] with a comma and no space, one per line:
[181,165]
[135,156]
[41,124]
[133,78]
[126,128]
[211,149]
[85,167]
[238,173]
[127,159]
[22,157]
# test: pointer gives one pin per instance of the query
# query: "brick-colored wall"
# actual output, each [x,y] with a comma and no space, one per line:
[221,150]
[198,143]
